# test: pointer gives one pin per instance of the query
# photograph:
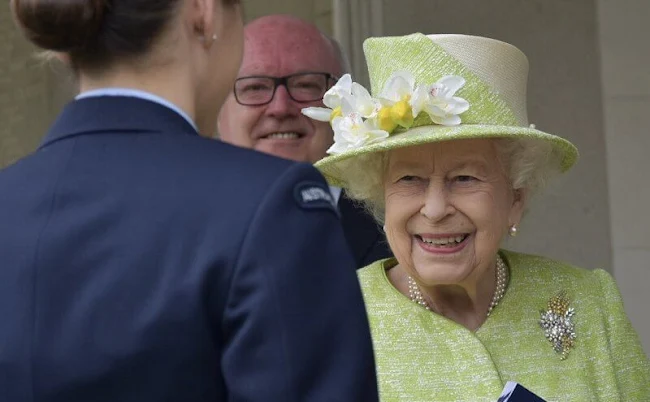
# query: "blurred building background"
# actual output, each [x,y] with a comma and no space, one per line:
[589,82]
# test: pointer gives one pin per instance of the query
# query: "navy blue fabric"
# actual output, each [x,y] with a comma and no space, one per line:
[141,262]
[366,239]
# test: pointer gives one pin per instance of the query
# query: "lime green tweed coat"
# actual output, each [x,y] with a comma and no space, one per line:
[424,357]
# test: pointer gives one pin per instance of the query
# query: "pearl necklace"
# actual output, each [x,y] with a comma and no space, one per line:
[502,282]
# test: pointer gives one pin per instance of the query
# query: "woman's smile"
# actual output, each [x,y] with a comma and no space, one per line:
[442,243]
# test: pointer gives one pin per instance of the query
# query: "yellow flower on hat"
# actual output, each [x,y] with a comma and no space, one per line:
[385,120]
[402,113]
[406,100]
[397,94]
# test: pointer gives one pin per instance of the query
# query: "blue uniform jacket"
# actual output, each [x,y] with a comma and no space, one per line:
[141,262]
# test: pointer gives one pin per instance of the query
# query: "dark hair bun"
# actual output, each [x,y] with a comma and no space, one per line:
[60,25]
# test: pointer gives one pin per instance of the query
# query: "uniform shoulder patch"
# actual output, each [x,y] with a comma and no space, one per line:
[314,195]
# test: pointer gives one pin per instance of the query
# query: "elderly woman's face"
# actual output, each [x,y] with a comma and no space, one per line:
[448,205]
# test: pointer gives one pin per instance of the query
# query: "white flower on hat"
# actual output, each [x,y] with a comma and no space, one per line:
[358,119]
[333,100]
[395,98]
[364,104]
[439,102]
[398,87]
[352,132]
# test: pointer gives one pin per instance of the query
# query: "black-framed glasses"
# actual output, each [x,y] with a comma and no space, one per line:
[302,87]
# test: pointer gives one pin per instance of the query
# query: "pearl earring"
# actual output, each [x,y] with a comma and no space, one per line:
[384,228]
[513,230]
[214,37]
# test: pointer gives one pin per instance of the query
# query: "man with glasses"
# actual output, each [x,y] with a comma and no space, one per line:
[288,65]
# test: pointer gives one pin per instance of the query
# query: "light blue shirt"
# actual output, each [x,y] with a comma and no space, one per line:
[136,93]
[336,193]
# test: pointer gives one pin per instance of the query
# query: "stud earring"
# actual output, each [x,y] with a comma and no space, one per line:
[513,230]
[384,227]
[212,39]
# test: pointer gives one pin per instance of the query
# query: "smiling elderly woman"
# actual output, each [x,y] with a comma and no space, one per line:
[445,159]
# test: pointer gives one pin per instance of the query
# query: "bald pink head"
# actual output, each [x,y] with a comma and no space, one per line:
[277,46]
[286,43]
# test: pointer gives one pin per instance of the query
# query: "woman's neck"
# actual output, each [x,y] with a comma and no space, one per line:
[465,303]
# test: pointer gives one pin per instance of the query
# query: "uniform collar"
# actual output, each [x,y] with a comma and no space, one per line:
[136,93]
[115,114]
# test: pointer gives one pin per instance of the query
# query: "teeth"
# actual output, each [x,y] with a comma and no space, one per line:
[444,241]
[284,135]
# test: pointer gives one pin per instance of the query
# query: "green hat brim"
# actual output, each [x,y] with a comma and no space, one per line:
[330,167]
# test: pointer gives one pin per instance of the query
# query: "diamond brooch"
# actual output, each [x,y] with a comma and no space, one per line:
[557,323]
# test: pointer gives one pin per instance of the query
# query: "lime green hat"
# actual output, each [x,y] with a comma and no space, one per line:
[428,89]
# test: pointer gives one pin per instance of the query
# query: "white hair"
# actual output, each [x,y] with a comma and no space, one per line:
[528,164]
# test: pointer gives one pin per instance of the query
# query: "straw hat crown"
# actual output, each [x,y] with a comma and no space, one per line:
[496,73]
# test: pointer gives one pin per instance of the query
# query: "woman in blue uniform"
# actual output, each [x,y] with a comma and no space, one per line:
[141,261]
